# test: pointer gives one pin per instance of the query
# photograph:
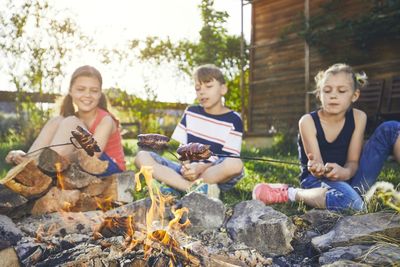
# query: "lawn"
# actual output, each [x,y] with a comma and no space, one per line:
[255,171]
[259,171]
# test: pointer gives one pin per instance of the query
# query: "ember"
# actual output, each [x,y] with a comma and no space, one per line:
[116,226]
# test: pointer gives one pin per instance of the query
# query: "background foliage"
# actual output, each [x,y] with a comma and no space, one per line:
[363,30]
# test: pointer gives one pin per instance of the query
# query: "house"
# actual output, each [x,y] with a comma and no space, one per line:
[292,40]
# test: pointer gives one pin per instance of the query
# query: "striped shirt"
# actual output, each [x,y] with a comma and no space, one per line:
[113,147]
[222,132]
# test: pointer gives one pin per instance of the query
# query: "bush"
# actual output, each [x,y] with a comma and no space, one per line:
[284,144]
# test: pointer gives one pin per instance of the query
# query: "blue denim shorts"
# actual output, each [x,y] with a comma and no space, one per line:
[340,196]
[177,168]
[112,166]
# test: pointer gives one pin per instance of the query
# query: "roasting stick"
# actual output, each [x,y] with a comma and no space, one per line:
[192,151]
[37,150]
[326,170]
[260,159]
[81,136]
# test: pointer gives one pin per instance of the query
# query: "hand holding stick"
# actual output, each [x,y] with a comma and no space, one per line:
[197,151]
[81,139]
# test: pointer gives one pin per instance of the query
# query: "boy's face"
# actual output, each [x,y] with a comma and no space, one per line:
[209,94]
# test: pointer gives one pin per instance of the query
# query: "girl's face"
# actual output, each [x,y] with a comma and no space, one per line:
[85,93]
[337,93]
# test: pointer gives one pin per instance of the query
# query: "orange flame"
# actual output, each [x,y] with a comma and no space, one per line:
[60,178]
[104,204]
[152,233]
[157,207]
[175,223]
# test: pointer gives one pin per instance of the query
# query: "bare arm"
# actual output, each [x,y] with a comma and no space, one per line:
[308,134]
[353,155]
[103,131]
[44,139]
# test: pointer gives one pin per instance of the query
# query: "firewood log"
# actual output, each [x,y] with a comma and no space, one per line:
[26,179]
[75,178]
[9,200]
[48,159]
[85,203]
[89,164]
[56,200]
[117,187]
[8,257]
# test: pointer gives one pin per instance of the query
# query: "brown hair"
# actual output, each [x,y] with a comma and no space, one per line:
[67,107]
[360,80]
[208,72]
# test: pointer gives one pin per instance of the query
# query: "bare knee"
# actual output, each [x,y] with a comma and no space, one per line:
[70,122]
[396,149]
[141,158]
[233,165]
[56,121]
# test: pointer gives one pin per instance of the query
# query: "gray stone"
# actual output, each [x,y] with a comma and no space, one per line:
[359,229]
[321,220]
[382,255]
[204,213]
[126,185]
[342,253]
[8,230]
[9,200]
[346,263]
[261,227]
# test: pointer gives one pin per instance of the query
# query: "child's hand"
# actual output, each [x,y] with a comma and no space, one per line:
[315,167]
[191,171]
[15,157]
[335,172]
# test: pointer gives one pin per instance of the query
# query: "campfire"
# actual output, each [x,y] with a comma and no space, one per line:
[72,218]
[153,238]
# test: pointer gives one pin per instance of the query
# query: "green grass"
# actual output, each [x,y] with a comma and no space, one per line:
[255,171]
[4,149]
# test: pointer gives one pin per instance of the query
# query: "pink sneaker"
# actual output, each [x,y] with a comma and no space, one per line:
[271,193]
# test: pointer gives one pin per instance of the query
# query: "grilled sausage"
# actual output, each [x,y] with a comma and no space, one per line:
[153,141]
[85,140]
[194,151]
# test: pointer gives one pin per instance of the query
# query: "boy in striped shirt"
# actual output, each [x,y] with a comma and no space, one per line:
[209,123]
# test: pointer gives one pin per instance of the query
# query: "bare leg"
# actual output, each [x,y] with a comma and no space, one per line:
[47,133]
[63,135]
[396,150]
[162,173]
[314,197]
[222,172]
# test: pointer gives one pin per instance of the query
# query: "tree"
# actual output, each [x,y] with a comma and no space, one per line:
[35,42]
[215,46]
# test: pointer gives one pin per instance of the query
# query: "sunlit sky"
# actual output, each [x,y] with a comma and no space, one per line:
[113,22]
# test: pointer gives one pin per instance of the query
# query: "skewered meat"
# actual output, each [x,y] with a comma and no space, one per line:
[153,141]
[194,151]
[85,140]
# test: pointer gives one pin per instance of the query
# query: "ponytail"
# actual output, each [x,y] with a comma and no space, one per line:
[103,102]
[67,107]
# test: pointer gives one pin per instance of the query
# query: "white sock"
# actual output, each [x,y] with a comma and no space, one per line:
[292,193]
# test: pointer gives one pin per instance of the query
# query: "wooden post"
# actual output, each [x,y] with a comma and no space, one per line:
[306,59]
